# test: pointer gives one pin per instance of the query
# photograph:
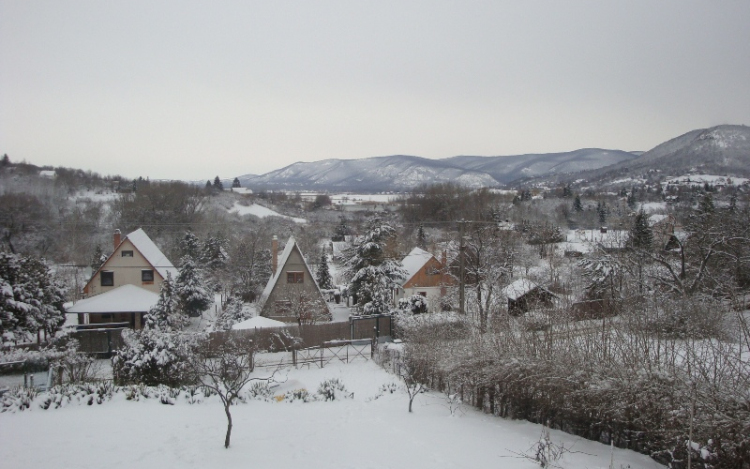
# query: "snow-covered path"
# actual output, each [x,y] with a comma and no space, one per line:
[362,432]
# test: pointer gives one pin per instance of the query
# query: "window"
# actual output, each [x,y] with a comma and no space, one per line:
[127,253]
[295,277]
[108,278]
[423,293]
[147,275]
[283,307]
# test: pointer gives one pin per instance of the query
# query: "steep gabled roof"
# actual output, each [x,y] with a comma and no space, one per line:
[291,244]
[123,299]
[148,250]
[414,261]
[152,253]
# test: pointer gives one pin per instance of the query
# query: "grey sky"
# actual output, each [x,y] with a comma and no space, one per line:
[191,89]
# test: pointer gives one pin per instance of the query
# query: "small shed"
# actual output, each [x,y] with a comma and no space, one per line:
[524,295]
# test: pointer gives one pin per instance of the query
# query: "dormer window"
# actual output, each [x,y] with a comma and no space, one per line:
[127,253]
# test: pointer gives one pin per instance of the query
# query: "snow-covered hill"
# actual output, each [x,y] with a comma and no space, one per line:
[400,172]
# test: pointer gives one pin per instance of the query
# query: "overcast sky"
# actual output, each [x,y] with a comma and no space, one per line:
[190,89]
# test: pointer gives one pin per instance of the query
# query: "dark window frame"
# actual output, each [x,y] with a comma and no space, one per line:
[107,278]
[147,275]
[128,253]
[295,277]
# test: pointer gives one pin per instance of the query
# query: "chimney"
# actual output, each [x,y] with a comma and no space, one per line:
[117,238]
[603,229]
[444,258]
[275,254]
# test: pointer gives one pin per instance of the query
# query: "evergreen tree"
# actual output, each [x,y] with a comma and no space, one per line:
[213,254]
[236,183]
[706,205]
[192,294]
[323,275]
[631,200]
[373,269]
[421,237]
[602,211]
[97,259]
[31,303]
[165,316]
[641,236]
[208,186]
[218,186]
[190,246]
[577,205]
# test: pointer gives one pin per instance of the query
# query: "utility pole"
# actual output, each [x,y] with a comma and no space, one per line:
[461,267]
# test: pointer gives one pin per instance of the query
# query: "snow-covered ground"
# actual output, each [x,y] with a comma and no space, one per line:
[371,430]
[260,212]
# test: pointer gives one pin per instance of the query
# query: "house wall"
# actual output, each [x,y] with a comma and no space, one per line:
[431,281]
[284,291]
[127,271]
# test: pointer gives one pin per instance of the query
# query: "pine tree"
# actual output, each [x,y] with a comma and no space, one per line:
[165,316]
[190,246]
[323,275]
[706,205]
[31,303]
[421,237]
[236,183]
[97,259]
[218,186]
[631,200]
[577,205]
[641,236]
[373,269]
[601,209]
[192,294]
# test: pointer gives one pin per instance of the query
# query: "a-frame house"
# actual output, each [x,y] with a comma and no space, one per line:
[291,294]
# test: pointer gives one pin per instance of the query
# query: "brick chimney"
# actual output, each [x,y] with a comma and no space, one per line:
[116,238]
[275,254]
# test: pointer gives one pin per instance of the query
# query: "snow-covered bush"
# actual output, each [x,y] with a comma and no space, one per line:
[333,388]
[260,390]
[17,398]
[152,357]
[415,304]
[299,395]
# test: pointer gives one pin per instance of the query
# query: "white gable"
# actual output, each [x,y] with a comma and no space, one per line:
[290,244]
[152,253]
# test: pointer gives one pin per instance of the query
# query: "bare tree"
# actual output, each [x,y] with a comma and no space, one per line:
[225,367]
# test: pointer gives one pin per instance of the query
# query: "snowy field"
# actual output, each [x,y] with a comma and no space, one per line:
[260,212]
[370,430]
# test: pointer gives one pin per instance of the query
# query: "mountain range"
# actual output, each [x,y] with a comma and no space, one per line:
[718,150]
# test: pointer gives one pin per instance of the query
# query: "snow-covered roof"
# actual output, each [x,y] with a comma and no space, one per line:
[519,288]
[258,322]
[414,261]
[123,299]
[152,253]
[290,244]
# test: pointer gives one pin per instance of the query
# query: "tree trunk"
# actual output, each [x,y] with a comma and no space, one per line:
[229,425]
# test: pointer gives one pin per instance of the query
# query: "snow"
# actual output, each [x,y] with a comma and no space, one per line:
[258,322]
[414,261]
[152,253]
[361,432]
[260,212]
[651,207]
[701,179]
[123,299]
[518,288]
